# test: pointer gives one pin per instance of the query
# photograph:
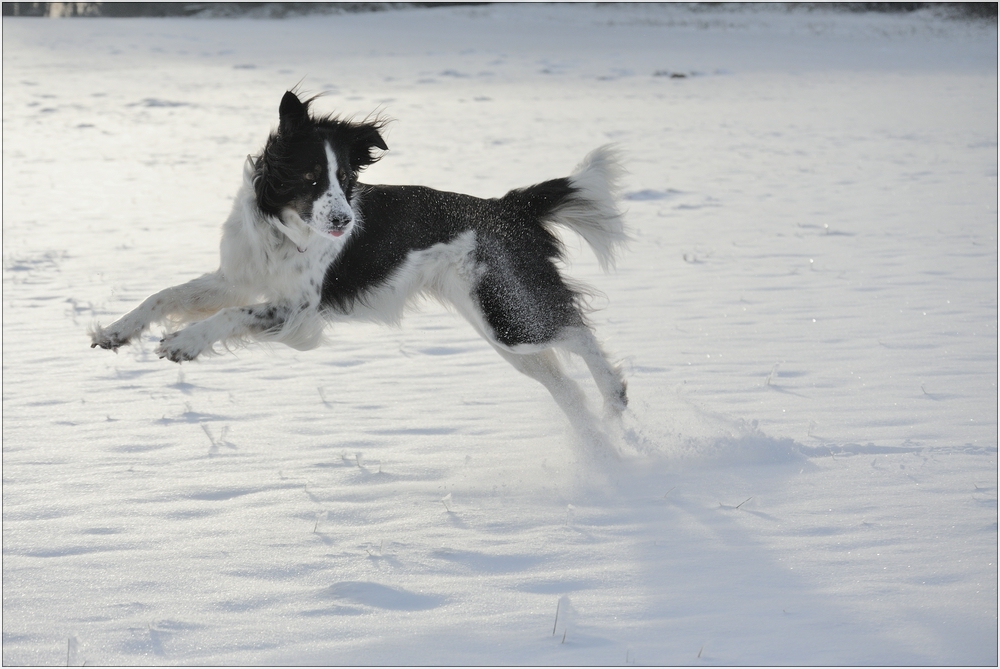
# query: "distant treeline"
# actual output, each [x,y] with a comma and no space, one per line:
[980,10]
[220,9]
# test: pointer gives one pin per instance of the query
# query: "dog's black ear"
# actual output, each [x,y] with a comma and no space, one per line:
[292,112]
[366,138]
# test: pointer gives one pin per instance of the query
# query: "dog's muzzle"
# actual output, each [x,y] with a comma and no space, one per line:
[338,225]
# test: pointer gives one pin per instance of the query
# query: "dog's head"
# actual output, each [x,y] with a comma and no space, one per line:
[309,167]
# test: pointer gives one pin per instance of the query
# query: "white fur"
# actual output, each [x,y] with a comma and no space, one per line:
[332,203]
[265,263]
[594,213]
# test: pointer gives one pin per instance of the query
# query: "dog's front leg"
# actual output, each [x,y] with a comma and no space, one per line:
[204,295]
[267,321]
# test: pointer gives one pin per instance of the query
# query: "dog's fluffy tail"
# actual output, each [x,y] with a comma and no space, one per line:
[591,210]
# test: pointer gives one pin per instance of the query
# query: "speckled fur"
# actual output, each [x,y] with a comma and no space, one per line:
[266,288]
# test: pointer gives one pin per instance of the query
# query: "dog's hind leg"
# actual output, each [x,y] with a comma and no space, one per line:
[608,377]
[204,295]
[544,367]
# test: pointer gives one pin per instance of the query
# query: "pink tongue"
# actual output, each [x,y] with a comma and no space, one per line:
[336,233]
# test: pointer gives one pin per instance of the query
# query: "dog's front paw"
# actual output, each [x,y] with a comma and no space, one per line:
[181,346]
[177,347]
[110,337]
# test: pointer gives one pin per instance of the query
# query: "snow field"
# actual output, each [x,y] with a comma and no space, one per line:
[807,317]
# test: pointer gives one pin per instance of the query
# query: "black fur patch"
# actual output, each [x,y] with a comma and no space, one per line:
[266,317]
[394,221]
[521,292]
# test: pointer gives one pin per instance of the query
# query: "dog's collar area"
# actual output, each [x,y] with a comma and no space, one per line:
[295,229]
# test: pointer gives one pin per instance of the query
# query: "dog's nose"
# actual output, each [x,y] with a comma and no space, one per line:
[339,221]
[340,217]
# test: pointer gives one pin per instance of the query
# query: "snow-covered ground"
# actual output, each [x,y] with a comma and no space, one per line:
[808,318]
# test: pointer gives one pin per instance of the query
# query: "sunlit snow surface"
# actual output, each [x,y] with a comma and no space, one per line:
[807,316]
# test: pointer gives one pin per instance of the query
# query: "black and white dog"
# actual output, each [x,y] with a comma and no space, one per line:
[306,244]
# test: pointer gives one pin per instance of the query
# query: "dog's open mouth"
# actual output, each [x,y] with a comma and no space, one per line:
[337,231]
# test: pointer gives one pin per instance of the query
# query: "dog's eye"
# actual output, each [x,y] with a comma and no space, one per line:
[341,175]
